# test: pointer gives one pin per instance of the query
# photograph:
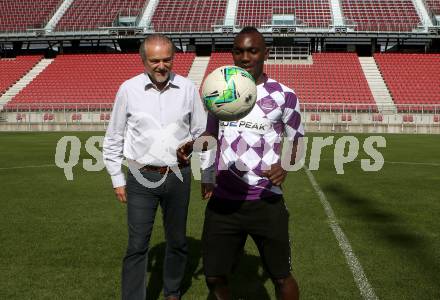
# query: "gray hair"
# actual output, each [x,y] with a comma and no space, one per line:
[155,37]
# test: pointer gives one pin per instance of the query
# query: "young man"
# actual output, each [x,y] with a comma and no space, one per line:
[247,198]
[155,118]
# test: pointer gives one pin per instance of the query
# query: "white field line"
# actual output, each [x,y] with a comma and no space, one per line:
[25,167]
[411,163]
[361,280]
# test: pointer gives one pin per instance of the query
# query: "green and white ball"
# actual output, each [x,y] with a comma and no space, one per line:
[229,92]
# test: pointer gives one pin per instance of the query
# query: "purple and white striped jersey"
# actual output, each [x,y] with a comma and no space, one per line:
[251,145]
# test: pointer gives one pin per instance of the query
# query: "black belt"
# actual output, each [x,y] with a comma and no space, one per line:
[161,170]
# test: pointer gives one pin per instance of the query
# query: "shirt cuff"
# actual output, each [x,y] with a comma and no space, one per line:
[207,158]
[118,180]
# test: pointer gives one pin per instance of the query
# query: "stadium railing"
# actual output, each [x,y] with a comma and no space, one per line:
[91,112]
[288,53]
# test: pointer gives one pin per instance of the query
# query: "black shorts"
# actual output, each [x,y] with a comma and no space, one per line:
[229,222]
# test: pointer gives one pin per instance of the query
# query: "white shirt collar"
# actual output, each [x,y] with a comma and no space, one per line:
[171,82]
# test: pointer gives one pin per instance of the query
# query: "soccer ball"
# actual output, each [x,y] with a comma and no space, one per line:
[229,92]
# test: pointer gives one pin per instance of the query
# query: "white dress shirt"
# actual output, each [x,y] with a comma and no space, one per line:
[148,125]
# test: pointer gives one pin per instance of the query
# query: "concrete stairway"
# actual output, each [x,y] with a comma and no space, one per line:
[231,12]
[377,85]
[24,81]
[50,26]
[198,69]
[338,20]
[423,13]
[148,13]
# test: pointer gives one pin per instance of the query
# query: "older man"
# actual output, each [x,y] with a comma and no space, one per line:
[156,117]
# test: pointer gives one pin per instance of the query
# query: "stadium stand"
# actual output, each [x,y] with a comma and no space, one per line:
[20,15]
[384,15]
[384,93]
[88,79]
[334,79]
[12,69]
[411,78]
[87,15]
[192,15]
[312,13]
[217,60]
[433,6]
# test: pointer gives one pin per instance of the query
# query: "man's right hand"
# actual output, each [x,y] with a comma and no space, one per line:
[207,189]
[120,194]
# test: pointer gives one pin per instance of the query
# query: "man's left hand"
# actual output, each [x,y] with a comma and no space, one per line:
[276,174]
[184,153]
[207,189]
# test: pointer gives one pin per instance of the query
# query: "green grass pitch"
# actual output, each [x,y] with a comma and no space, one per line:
[63,239]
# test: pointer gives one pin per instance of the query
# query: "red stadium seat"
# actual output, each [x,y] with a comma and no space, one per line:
[86,15]
[91,81]
[12,69]
[76,117]
[198,15]
[411,79]
[384,15]
[315,117]
[433,6]
[408,118]
[312,13]
[21,15]
[346,117]
[377,118]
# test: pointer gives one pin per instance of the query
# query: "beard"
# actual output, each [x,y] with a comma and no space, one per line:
[157,77]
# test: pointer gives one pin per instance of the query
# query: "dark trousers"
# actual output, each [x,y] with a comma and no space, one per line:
[142,202]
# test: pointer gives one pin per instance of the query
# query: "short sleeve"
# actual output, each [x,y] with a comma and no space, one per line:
[291,117]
